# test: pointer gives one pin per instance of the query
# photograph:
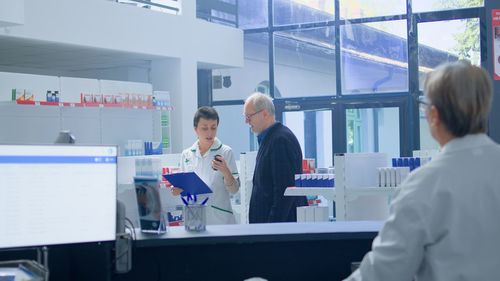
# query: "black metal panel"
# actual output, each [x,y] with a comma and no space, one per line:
[494,121]
[449,14]
[204,87]
[409,123]
[271,50]
[339,130]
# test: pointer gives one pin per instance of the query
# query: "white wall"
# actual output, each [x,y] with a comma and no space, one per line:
[175,76]
[243,84]
[114,26]
[11,12]
[137,74]
[182,41]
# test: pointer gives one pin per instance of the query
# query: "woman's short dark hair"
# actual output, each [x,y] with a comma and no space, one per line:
[462,94]
[205,112]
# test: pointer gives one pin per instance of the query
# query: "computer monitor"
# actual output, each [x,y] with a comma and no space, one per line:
[57,194]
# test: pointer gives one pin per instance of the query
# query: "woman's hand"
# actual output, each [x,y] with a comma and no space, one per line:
[176,191]
[232,185]
[219,164]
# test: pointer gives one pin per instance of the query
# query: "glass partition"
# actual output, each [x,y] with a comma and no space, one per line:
[437,5]
[427,142]
[252,14]
[233,131]
[313,129]
[458,39]
[374,57]
[373,130]
[302,11]
[371,8]
[305,62]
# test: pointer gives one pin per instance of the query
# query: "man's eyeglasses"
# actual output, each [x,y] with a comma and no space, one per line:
[423,104]
[249,116]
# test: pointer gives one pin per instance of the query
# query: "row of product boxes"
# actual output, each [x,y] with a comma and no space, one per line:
[315,180]
[392,176]
[411,162]
[159,99]
[312,214]
[127,99]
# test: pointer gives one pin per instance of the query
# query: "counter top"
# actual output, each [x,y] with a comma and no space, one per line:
[269,232]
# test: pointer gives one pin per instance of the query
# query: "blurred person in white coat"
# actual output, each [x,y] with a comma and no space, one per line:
[215,164]
[444,225]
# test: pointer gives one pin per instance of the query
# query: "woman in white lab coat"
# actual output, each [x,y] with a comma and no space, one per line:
[444,223]
[214,163]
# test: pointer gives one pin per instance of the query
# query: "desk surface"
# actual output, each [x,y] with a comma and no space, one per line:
[270,232]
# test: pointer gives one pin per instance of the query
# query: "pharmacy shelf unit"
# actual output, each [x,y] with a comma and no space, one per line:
[355,194]
[41,123]
[97,111]
[247,166]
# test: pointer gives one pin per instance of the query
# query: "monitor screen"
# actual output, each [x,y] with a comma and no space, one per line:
[57,194]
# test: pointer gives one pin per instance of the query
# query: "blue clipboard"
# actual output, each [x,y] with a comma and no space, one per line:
[189,182]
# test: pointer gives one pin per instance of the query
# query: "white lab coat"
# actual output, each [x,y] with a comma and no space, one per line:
[444,223]
[219,209]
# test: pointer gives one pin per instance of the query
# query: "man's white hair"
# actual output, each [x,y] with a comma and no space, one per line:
[261,101]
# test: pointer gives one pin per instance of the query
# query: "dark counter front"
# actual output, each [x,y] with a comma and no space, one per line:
[75,262]
[283,251]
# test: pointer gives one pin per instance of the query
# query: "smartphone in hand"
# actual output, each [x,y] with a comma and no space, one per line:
[216,158]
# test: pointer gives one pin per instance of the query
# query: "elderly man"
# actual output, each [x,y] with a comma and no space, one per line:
[279,158]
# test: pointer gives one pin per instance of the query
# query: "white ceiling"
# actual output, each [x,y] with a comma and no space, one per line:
[27,53]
